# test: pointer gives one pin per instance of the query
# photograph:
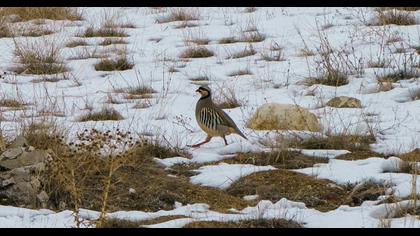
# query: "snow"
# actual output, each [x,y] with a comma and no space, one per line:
[391,116]
[324,153]
[168,162]
[366,216]
[250,197]
[375,169]
[223,175]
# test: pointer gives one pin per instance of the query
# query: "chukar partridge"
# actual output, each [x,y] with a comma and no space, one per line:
[212,119]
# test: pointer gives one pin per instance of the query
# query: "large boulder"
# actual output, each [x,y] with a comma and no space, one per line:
[344,102]
[274,116]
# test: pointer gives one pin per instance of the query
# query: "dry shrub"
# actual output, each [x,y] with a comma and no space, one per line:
[248,51]
[399,75]
[140,92]
[282,159]
[44,134]
[334,66]
[275,185]
[97,170]
[104,114]
[252,37]
[200,78]
[76,43]
[257,223]
[228,40]
[393,16]
[345,142]
[250,9]
[226,98]
[199,41]
[33,13]
[39,58]
[196,52]
[12,103]
[103,32]
[241,72]
[110,41]
[120,63]
[180,14]
[87,53]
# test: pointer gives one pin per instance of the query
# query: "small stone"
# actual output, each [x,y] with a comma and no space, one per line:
[42,197]
[7,182]
[131,191]
[344,102]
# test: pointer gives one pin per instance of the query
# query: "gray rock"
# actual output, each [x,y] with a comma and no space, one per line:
[42,198]
[19,141]
[8,182]
[11,153]
[25,159]
[344,102]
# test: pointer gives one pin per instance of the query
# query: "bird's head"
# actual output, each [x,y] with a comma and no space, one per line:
[204,91]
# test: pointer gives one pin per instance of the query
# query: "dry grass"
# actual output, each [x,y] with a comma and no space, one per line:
[180,14]
[76,43]
[186,24]
[250,9]
[258,223]
[321,194]
[200,78]
[110,41]
[199,41]
[43,135]
[306,52]
[393,16]
[135,168]
[196,52]
[11,103]
[282,159]
[358,145]
[278,184]
[87,53]
[399,75]
[240,72]
[225,98]
[276,55]
[227,40]
[103,32]
[39,58]
[142,104]
[248,51]
[140,92]
[36,32]
[120,63]
[331,78]
[104,114]
[116,223]
[252,37]
[33,13]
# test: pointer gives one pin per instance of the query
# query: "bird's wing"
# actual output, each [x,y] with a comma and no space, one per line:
[227,121]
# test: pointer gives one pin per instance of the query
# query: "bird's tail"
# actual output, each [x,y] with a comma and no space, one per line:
[241,134]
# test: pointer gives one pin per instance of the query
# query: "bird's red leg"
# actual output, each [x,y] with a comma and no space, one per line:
[225,140]
[199,144]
